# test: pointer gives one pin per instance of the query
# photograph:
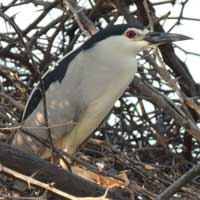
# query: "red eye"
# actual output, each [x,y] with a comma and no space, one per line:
[131,34]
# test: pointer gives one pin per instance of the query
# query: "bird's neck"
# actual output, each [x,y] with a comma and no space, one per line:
[114,59]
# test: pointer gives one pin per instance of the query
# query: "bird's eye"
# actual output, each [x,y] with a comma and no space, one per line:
[131,34]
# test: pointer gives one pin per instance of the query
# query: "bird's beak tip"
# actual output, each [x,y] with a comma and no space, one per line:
[184,37]
[161,38]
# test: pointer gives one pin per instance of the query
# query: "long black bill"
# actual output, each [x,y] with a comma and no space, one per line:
[161,38]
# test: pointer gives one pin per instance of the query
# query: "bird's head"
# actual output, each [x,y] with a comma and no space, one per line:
[131,38]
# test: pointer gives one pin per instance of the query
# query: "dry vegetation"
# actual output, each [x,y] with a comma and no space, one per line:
[152,137]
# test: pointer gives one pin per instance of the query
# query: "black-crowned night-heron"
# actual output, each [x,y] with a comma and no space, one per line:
[84,86]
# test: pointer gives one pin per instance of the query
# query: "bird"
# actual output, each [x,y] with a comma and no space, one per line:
[83,87]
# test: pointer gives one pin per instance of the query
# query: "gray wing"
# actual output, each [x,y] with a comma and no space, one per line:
[61,111]
[49,78]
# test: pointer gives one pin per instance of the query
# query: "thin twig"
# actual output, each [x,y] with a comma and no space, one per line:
[48,187]
[182,181]
[81,19]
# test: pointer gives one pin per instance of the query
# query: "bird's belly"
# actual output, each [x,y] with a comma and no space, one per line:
[104,85]
[93,115]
